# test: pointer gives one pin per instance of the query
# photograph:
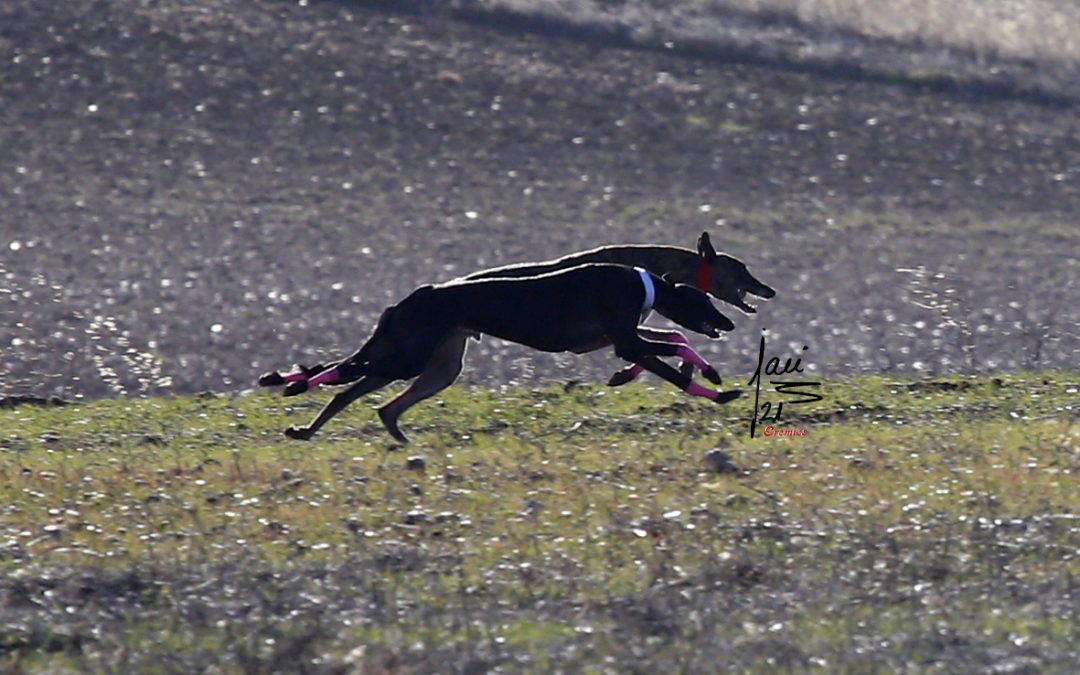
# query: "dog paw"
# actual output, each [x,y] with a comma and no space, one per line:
[390,422]
[711,375]
[273,379]
[296,387]
[622,377]
[299,433]
[727,396]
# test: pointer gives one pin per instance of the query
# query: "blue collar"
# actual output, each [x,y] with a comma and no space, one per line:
[650,291]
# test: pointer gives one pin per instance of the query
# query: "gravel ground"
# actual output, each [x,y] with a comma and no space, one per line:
[193,194]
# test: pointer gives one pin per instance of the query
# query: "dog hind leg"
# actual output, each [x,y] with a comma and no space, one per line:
[441,370]
[342,372]
[299,372]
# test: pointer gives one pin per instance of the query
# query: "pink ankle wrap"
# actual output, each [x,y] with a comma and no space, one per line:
[687,353]
[675,337]
[696,389]
[329,376]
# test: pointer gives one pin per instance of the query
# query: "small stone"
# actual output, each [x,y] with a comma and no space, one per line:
[719,461]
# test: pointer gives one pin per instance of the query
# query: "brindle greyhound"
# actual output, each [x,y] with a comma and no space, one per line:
[577,310]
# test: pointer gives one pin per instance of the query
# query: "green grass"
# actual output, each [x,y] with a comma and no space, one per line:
[920,525]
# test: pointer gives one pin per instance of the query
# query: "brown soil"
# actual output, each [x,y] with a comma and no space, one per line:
[194,194]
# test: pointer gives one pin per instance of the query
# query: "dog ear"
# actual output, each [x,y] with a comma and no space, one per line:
[705,248]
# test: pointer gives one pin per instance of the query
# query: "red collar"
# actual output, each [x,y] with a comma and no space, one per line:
[704,274]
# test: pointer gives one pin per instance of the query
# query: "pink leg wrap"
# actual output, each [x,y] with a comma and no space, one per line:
[687,353]
[294,377]
[696,389]
[674,337]
[328,376]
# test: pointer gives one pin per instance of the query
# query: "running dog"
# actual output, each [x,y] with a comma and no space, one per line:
[578,310]
[723,276]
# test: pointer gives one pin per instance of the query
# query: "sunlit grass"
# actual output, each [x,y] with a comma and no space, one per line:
[551,528]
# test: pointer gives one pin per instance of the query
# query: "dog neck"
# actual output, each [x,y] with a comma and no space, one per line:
[650,291]
[704,275]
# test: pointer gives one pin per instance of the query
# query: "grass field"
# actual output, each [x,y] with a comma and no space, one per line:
[921,525]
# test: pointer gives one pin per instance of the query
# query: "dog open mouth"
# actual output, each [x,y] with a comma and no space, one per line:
[761,291]
[741,304]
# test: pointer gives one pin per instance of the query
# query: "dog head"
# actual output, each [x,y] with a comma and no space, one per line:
[727,278]
[691,309]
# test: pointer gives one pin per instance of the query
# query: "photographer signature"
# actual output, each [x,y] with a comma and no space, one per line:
[763,411]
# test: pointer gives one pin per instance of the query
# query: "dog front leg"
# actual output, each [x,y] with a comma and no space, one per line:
[688,355]
[685,382]
[690,359]
[336,405]
[631,373]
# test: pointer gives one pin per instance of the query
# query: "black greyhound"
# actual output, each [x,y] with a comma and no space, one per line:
[718,274]
[575,310]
